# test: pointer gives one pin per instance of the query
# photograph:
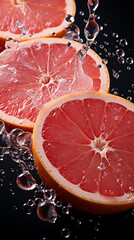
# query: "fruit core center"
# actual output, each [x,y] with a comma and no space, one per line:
[99,144]
[46,79]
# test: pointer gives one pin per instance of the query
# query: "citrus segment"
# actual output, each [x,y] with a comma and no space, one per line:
[77,152]
[40,18]
[40,70]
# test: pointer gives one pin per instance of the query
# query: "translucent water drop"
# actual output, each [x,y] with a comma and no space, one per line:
[2,127]
[132,86]
[115,74]
[123,42]
[19,24]
[24,139]
[58,204]
[65,233]
[24,31]
[105,61]
[9,43]
[68,44]
[13,70]
[115,35]
[13,136]
[129,98]
[129,60]
[99,66]
[30,93]
[46,211]
[53,33]
[81,13]
[121,60]
[27,209]
[50,194]
[65,210]
[25,181]
[69,18]
[92,5]
[91,30]
[120,53]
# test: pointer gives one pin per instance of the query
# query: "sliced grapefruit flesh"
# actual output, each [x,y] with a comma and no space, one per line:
[40,70]
[83,145]
[40,17]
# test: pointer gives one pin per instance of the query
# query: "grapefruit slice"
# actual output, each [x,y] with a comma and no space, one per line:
[40,17]
[40,70]
[83,144]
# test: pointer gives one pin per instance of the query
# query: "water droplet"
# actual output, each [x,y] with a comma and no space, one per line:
[24,31]
[68,44]
[115,35]
[121,60]
[53,33]
[25,181]
[19,24]
[120,53]
[24,139]
[50,194]
[129,60]
[9,43]
[105,61]
[58,204]
[27,209]
[65,232]
[13,70]
[129,98]
[69,18]
[30,93]
[46,211]
[115,74]
[81,13]
[99,66]
[65,210]
[123,42]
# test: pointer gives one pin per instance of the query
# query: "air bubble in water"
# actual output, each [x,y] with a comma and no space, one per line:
[46,211]
[69,18]
[65,232]
[25,181]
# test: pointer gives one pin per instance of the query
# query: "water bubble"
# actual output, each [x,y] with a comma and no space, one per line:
[115,35]
[115,74]
[69,18]
[27,209]
[65,232]
[13,136]
[123,42]
[19,24]
[92,5]
[30,93]
[46,211]
[25,181]
[13,70]
[50,194]
[68,44]
[121,60]
[9,43]
[53,33]
[129,60]
[120,53]
[129,98]
[81,13]
[58,204]
[24,31]
[65,210]
[24,139]
[105,61]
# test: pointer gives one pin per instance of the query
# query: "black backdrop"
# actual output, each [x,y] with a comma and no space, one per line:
[15,224]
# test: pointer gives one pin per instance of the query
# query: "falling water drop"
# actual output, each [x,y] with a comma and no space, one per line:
[46,211]
[25,181]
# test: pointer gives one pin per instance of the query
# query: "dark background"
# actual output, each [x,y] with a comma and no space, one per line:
[15,224]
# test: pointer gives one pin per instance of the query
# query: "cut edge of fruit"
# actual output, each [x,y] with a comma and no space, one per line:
[48,32]
[92,202]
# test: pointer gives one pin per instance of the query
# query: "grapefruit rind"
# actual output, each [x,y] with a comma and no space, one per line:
[104,74]
[80,199]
